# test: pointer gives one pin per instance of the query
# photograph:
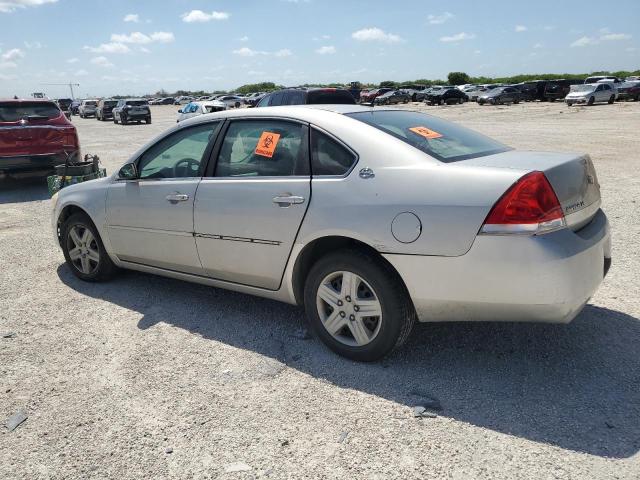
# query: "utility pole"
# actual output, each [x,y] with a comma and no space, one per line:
[70,85]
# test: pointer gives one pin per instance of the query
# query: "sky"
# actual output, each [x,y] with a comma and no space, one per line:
[141,46]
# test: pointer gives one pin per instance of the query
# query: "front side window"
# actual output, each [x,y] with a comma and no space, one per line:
[328,157]
[438,138]
[263,148]
[179,155]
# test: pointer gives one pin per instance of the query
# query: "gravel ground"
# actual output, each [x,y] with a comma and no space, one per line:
[147,377]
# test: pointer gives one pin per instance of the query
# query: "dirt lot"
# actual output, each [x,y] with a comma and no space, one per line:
[147,377]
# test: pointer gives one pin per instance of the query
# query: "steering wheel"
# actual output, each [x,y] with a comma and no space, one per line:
[189,164]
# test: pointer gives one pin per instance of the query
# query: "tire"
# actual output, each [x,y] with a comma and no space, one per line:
[414,98]
[383,333]
[148,121]
[516,102]
[237,104]
[569,104]
[460,101]
[114,120]
[98,270]
[612,99]
[591,101]
[123,120]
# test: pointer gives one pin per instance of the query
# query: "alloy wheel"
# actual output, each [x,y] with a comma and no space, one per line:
[83,249]
[349,308]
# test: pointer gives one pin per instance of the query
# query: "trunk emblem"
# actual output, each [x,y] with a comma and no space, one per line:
[366,173]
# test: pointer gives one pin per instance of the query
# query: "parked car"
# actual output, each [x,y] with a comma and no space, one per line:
[603,78]
[183,100]
[558,89]
[413,91]
[446,95]
[591,93]
[307,96]
[392,97]
[231,101]
[532,90]
[164,101]
[199,108]
[73,108]
[87,108]
[35,135]
[131,110]
[254,98]
[65,105]
[500,95]
[512,235]
[104,111]
[370,96]
[629,90]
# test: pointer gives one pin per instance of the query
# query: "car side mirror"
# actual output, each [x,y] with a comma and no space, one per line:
[128,172]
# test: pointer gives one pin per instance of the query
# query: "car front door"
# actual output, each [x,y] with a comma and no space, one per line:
[150,218]
[250,204]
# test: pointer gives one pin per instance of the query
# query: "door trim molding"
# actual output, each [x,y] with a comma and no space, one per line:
[237,239]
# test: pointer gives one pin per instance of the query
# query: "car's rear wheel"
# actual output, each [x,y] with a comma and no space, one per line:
[591,101]
[83,250]
[148,120]
[123,120]
[612,99]
[357,306]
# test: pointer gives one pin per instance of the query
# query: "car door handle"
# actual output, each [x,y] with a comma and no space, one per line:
[286,200]
[177,197]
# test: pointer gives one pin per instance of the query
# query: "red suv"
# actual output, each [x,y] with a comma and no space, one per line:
[35,135]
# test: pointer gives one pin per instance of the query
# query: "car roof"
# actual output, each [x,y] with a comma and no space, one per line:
[30,100]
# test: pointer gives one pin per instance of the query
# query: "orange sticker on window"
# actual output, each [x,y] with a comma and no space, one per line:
[267,144]
[425,132]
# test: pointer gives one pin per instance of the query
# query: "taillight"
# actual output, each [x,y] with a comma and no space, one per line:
[530,206]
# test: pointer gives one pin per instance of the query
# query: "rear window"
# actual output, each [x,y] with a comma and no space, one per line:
[438,138]
[340,97]
[110,103]
[137,103]
[14,111]
[91,104]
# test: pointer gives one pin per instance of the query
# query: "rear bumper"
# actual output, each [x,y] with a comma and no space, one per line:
[546,278]
[24,163]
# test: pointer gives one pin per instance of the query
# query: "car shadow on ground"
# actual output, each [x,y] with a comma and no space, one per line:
[574,386]
[27,189]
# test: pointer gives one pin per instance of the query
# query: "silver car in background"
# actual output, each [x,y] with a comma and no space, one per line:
[194,109]
[369,218]
[591,93]
[88,108]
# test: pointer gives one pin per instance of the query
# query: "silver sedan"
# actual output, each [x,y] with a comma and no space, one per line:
[369,218]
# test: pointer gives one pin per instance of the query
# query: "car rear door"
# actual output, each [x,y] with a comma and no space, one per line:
[251,203]
[150,218]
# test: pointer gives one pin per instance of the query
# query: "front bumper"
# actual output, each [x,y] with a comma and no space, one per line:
[546,278]
[576,100]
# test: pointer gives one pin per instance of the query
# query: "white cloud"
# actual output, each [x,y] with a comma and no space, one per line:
[458,37]
[32,45]
[143,39]
[4,64]
[144,50]
[73,60]
[7,77]
[101,62]
[440,19]
[520,28]
[131,17]
[112,47]
[615,36]
[13,54]
[584,42]
[8,6]
[326,50]
[247,52]
[200,16]
[630,49]
[244,39]
[538,45]
[81,73]
[375,34]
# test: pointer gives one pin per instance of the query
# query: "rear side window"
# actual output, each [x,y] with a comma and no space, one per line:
[340,97]
[328,157]
[263,148]
[293,98]
[137,103]
[438,138]
[14,111]
[276,99]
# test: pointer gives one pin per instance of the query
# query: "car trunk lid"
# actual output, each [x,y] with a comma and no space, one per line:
[572,176]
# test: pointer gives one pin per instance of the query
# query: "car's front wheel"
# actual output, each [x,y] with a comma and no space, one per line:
[357,306]
[612,99]
[83,250]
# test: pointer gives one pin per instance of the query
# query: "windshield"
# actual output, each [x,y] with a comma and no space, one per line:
[438,138]
[137,103]
[91,104]
[110,103]
[582,88]
[14,111]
